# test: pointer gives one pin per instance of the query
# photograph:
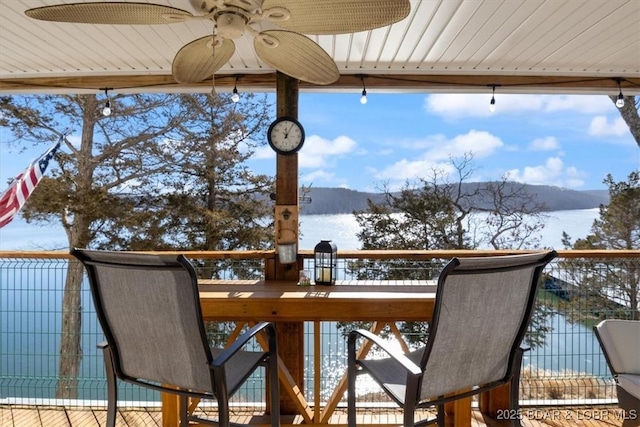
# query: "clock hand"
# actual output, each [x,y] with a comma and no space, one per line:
[286,134]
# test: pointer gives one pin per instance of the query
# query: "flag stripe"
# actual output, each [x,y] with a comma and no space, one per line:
[12,200]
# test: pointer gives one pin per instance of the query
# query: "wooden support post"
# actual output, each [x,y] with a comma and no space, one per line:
[458,413]
[494,401]
[170,409]
[290,334]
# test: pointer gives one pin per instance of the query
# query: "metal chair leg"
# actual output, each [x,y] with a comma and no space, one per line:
[351,381]
[274,380]
[184,411]
[514,392]
[630,407]
[112,385]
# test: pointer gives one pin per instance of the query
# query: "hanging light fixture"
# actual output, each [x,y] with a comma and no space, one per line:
[620,100]
[363,98]
[492,103]
[235,97]
[106,111]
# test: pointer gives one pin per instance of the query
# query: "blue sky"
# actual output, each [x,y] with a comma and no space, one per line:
[567,141]
[570,141]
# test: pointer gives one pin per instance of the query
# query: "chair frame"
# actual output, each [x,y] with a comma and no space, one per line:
[627,402]
[216,366]
[415,373]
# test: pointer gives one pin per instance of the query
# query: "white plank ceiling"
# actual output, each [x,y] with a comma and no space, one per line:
[443,45]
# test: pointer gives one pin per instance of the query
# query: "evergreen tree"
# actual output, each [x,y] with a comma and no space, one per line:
[115,186]
[611,287]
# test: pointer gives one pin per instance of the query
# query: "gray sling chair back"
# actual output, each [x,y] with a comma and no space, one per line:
[482,311]
[149,309]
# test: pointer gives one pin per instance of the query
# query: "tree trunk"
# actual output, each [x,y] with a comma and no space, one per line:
[70,348]
[630,115]
[79,236]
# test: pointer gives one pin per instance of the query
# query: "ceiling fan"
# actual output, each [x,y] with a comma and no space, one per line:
[286,49]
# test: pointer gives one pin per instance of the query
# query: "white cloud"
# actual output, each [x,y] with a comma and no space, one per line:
[264,152]
[477,105]
[409,170]
[552,172]
[438,150]
[479,143]
[544,144]
[584,104]
[318,151]
[601,126]
[317,176]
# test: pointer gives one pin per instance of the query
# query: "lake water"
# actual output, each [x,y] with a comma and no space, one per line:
[340,228]
[571,346]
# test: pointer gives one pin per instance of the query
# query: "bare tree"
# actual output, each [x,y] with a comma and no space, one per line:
[447,211]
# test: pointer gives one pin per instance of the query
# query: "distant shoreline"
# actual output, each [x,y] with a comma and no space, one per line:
[325,200]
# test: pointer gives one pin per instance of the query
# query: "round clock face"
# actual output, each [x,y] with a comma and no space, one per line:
[285,135]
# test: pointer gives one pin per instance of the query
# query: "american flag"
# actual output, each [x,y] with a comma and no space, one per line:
[12,200]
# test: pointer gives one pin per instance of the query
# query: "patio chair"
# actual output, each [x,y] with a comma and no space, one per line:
[149,309]
[620,343]
[482,311]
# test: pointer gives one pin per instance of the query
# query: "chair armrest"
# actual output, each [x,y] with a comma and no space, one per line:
[242,340]
[406,363]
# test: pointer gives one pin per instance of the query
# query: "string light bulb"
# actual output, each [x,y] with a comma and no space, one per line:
[106,111]
[363,98]
[492,103]
[620,100]
[236,96]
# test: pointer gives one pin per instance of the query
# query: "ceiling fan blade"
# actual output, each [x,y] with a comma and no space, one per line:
[110,13]
[297,56]
[338,16]
[197,60]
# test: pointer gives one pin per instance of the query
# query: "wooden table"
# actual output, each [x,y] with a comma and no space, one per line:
[380,302]
[345,301]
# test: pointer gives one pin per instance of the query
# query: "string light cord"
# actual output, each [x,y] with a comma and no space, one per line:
[628,83]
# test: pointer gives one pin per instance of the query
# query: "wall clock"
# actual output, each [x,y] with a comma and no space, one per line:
[285,135]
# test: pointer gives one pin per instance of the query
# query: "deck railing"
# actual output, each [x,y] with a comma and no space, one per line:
[564,366]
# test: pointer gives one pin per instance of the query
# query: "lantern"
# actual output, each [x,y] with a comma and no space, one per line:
[325,262]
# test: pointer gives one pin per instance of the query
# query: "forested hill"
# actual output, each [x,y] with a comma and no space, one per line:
[341,200]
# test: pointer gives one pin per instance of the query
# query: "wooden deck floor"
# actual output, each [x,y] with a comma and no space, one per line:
[607,416]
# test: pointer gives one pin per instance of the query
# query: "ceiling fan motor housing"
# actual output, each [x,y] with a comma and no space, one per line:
[230,25]
[208,6]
